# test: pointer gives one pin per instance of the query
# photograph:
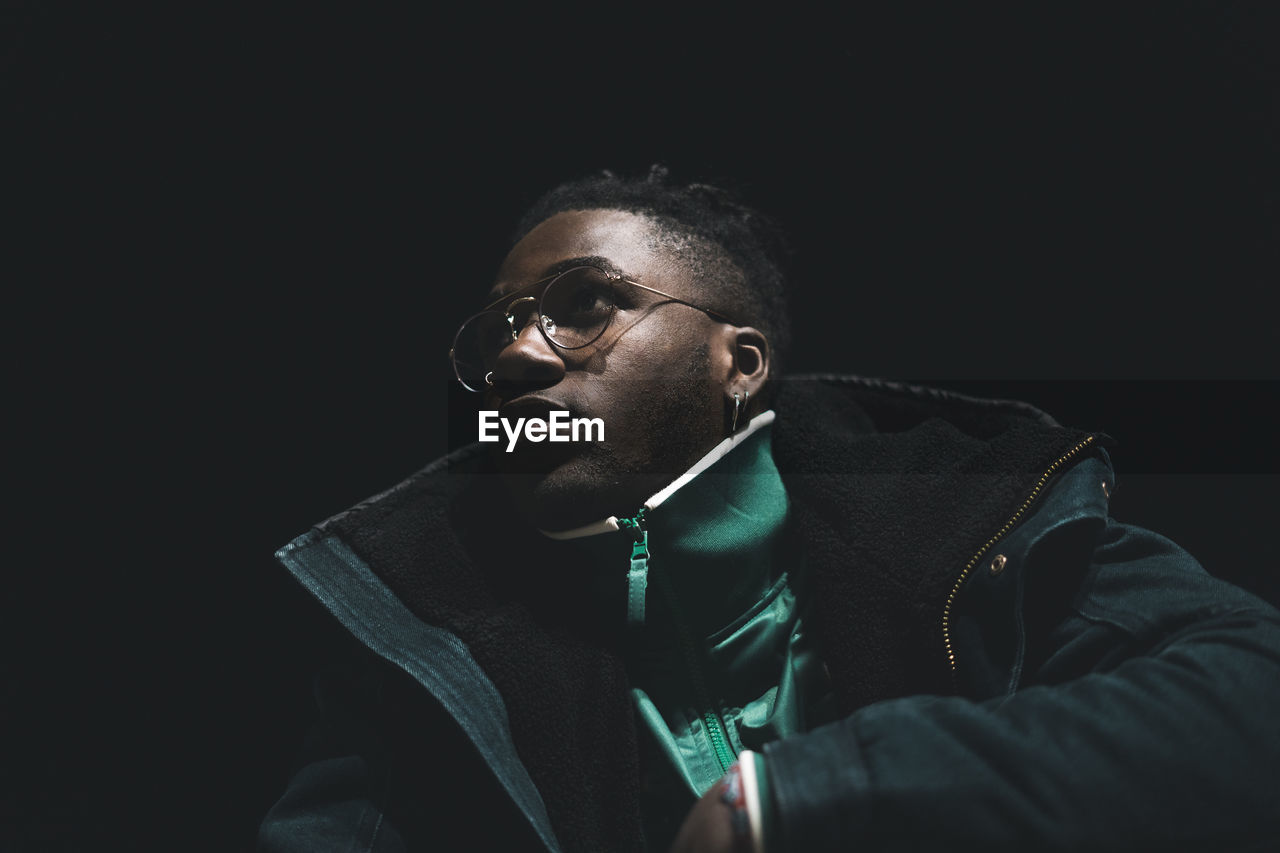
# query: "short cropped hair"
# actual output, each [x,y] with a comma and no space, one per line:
[737,253]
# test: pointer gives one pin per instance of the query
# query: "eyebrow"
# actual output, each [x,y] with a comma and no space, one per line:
[597,261]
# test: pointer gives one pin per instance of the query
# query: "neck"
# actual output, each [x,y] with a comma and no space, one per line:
[720,451]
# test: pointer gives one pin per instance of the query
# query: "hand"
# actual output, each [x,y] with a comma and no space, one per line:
[708,828]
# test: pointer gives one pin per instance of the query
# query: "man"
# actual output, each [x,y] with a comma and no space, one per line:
[821,614]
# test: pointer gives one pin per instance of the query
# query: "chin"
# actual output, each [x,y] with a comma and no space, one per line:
[563,486]
[577,491]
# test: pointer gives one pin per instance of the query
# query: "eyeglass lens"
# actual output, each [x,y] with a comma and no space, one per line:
[575,310]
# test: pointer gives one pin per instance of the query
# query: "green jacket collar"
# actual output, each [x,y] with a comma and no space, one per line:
[715,531]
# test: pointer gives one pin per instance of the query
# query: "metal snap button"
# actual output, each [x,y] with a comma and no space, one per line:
[997,564]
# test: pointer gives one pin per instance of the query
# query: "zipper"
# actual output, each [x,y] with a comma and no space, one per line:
[638,576]
[714,725]
[1008,525]
[719,740]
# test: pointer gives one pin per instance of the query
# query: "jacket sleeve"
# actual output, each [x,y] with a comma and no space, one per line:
[1147,718]
[335,799]
[384,769]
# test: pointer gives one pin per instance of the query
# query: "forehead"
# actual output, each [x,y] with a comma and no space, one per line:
[628,241]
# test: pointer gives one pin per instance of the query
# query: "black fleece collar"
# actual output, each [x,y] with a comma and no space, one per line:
[892,493]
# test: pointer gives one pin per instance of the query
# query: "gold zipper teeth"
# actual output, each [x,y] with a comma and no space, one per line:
[955,590]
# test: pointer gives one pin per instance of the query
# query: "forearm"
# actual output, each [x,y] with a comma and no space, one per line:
[1180,747]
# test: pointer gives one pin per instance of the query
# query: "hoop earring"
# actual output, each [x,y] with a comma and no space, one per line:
[488,379]
[738,403]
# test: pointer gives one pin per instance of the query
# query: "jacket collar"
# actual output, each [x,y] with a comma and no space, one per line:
[894,488]
[716,534]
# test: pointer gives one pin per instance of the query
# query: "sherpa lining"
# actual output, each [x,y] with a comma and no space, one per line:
[890,517]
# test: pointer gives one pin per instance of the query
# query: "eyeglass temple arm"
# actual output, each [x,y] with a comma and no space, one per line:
[713,313]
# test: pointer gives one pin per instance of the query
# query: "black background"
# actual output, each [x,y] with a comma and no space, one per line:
[242,239]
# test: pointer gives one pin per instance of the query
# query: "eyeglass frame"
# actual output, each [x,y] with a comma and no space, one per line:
[613,278]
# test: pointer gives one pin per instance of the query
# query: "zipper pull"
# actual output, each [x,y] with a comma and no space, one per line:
[638,577]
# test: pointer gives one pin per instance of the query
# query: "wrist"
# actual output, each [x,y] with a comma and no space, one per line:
[733,794]
[745,790]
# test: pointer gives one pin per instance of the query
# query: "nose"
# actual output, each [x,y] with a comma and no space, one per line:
[529,360]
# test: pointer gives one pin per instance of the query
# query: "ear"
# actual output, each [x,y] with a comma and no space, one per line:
[747,365]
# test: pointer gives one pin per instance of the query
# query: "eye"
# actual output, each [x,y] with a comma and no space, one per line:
[590,298]
[579,299]
[577,306]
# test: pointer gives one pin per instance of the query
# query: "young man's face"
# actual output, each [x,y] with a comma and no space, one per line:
[656,377]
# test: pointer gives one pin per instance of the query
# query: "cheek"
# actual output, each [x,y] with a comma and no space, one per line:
[654,384]
[663,351]
[670,408]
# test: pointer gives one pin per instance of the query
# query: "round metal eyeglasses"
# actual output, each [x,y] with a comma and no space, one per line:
[573,311]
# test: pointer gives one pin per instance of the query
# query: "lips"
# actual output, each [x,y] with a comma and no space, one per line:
[529,457]
[529,406]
